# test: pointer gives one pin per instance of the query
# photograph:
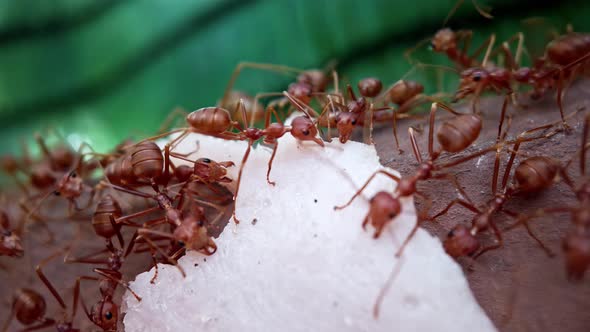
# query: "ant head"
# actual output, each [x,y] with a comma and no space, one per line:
[317,79]
[345,123]
[471,79]
[70,186]
[576,247]
[443,40]
[303,129]
[302,91]
[209,170]
[10,244]
[384,207]
[460,242]
[370,87]
[105,314]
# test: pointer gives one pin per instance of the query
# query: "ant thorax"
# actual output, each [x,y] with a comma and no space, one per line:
[70,186]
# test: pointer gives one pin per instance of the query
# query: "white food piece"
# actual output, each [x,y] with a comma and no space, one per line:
[303,266]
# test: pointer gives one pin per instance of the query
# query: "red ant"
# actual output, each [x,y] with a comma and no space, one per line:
[204,170]
[308,82]
[105,312]
[576,244]
[531,176]
[10,239]
[455,135]
[476,80]
[29,307]
[216,122]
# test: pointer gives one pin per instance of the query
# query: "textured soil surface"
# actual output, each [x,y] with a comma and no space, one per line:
[519,286]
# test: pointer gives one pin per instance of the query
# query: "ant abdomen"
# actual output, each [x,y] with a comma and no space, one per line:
[147,160]
[402,91]
[370,87]
[317,79]
[458,133]
[210,120]
[568,48]
[535,174]
[29,306]
[101,219]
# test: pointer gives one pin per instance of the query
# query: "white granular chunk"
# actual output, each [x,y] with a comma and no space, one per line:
[303,266]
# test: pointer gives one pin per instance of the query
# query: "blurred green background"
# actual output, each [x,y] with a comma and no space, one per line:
[102,71]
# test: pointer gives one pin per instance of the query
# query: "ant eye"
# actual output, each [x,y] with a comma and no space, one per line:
[354,122]
[108,315]
[181,243]
[74,175]
[56,193]
[391,215]
[206,160]
[477,78]
[305,132]
[451,233]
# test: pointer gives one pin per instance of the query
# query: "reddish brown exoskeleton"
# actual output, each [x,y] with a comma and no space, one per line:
[532,175]
[454,135]
[576,243]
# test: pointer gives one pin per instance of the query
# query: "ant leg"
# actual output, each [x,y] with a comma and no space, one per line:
[87,259]
[453,179]
[499,241]
[492,40]
[272,157]
[108,274]
[384,172]
[261,66]
[392,276]
[46,281]
[77,296]
[46,322]
[585,134]
[530,232]
[171,117]
[560,88]
[244,159]
[459,201]
[415,147]
[141,232]
[422,217]
[400,151]
[124,220]
[127,190]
